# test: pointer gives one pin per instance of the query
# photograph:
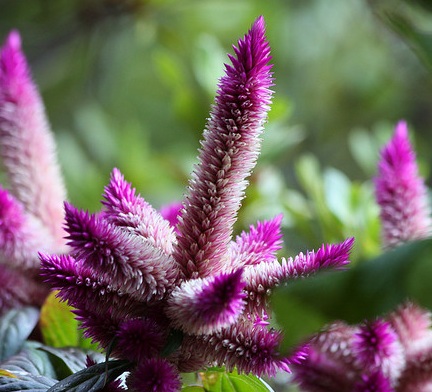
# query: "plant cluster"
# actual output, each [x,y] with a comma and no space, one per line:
[166,293]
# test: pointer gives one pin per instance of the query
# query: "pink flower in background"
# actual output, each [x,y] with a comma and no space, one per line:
[390,355]
[31,210]
[174,291]
[401,192]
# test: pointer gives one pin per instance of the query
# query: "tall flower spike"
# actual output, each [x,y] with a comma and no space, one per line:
[228,154]
[27,146]
[401,192]
[31,213]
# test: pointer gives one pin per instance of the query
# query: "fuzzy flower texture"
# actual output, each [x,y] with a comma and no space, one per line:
[394,353]
[401,193]
[31,211]
[174,294]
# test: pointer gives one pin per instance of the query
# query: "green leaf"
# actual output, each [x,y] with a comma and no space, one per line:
[93,378]
[69,360]
[420,41]
[57,323]
[27,382]
[15,327]
[193,389]
[222,381]
[31,360]
[59,327]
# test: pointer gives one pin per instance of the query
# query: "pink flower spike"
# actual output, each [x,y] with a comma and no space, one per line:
[263,277]
[207,305]
[260,244]
[401,192]
[247,348]
[131,212]
[27,146]
[228,154]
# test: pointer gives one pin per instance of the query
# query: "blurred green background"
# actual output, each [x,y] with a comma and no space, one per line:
[129,84]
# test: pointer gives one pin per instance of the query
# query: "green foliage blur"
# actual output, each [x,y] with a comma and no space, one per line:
[129,84]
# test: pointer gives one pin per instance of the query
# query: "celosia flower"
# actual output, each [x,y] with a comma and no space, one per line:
[182,298]
[31,212]
[390,355]
[401,192]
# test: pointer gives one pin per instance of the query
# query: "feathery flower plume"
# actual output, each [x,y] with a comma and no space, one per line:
[401,192]
[179,294]
[208,304]
[228,154]
[31,212]
[384,355]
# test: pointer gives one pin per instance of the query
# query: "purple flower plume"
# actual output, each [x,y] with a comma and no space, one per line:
[392,354]
[263,277]
[27,145]
[401,192]
[228,154]
[31,212]
[175,284]
[206,305]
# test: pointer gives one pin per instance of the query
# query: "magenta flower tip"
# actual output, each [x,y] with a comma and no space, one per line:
[171,212]
[401,193]
[27,147]
[12,61]
[207,305]
[13,40]
[260,244]
[11,219]
[375,343]
[119,193]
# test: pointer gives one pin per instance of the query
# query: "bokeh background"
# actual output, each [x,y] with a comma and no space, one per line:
[129,84]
